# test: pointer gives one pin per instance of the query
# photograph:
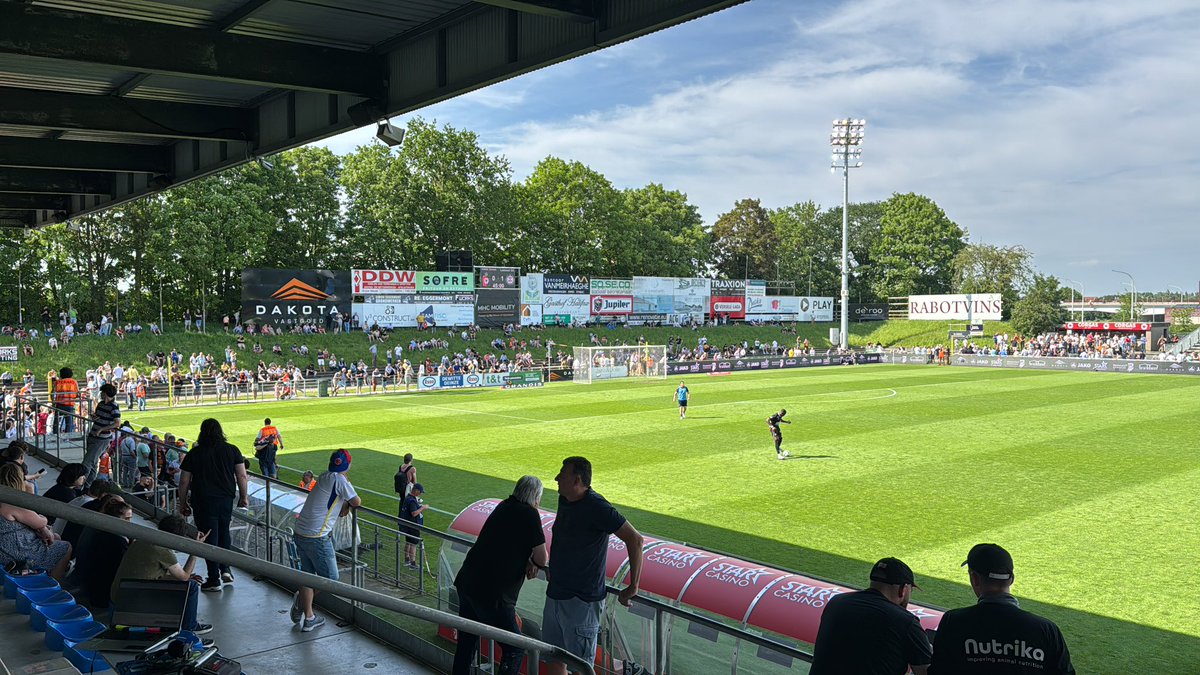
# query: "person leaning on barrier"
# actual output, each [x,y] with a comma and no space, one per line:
[331,498]
[105,420]
[995,636]
[870,631]
[511,548]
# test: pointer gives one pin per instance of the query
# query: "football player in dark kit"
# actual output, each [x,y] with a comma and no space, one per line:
[773,423]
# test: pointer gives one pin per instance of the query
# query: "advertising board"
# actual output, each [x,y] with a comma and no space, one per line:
[363,282]
[763,363]
[733,306]
[523,380]
[578,307]
[612,286]
[531,289]
[691,297]
[497,308]
[291,297]
[566,284]
[654,296]
[756,288]
[611,305]
[974,307]
[499,277]
[1115,326]
[609,372]
[872,311]
[443,282]
[729,287]
[469,380]
[531,315]
[9,353]
[403,311]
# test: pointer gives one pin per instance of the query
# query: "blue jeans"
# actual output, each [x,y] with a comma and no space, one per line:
[189,609]
[492,613]
[66,421]
[317,556]
[267,468]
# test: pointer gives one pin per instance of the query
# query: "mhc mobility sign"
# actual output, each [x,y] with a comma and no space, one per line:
[290,297]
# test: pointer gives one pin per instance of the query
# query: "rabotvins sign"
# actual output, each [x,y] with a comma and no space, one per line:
[290,297]
[973,307]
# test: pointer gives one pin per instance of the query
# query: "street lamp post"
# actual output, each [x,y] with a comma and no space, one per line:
[1132,295]
[1072,287]
[1170,286]
[846,140]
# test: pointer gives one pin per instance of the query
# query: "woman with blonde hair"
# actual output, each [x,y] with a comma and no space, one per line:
[25,536]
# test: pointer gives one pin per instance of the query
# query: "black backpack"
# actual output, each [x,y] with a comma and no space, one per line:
[401,481]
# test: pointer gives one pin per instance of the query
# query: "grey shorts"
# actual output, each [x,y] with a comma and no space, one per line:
[572,624]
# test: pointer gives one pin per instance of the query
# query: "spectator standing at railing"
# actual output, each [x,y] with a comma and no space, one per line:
[331,498]
[511,548]
[575,593]
[105,420]
[211,477]
[412,510]
[65,394]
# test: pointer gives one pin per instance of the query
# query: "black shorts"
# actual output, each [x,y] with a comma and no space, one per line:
[683,404]
[776,433]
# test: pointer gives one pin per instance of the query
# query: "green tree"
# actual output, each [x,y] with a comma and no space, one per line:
[916,247]
[864,230]
[669,231]
[745,243]
[1126,313]
[581,219]
[809,248]
[986,268]
[1181,321]
[1041,309]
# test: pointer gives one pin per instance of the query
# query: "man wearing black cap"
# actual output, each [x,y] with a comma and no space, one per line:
[996,636]
[871,632]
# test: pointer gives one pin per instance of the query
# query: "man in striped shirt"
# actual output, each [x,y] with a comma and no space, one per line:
[105,419]
[332,497]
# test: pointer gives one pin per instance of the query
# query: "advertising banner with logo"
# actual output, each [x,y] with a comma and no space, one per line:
[578,307]
[816,309]
[654,295]
[402,311]
[522,380]
[470,380]
[566,284]
[974,307]
[729,287]
[691,297]
[872,311]
[531,289]
[764,363]
[733,306]
[363,282]
[531,315]
[774,308]
[756,288]
[1115,326]
[611,305]
[612,286]
[497,308]
[291,297]
[8,353]
[508,278]
[444,282]
[1077,364]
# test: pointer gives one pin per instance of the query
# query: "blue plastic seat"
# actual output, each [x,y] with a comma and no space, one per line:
[27,597]
[58,633]
[63,613]
[12,583]
[85,660]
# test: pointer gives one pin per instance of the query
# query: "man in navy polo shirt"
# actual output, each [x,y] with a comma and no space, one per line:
[579,550]
[995,636]
[870,632]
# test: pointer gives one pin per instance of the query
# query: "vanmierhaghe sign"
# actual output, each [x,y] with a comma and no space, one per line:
[973,307]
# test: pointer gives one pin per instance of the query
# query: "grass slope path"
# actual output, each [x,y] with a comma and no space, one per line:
[1087,478]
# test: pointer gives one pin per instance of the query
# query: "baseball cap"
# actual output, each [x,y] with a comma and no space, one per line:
[339,461]
[991,561]
[418,486]
[893,571]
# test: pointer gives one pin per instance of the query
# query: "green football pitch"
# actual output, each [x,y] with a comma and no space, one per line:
[1089,479]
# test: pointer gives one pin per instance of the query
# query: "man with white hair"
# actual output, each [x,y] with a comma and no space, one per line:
[511,548]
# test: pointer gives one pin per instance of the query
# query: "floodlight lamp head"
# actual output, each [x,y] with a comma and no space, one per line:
[389,135]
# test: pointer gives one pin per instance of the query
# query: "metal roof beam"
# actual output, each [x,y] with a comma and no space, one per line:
[28,30]
[109,114]
[582,11]
[26,202]
[49,181]
[39,153]
[16,219]
[239,15]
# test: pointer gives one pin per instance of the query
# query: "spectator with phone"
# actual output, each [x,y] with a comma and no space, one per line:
[144,560]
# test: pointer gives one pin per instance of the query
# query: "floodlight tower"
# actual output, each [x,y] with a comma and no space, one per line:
[846,139]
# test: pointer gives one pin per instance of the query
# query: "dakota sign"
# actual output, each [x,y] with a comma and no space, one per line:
[974,307]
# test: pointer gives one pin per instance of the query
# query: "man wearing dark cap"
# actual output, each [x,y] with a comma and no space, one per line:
[331,498]
[995,636]
[870,632]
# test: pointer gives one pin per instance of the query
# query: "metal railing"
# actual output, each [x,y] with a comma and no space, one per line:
[1186,343]
[287,575]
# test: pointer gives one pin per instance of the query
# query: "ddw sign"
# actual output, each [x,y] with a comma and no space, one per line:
[975,307]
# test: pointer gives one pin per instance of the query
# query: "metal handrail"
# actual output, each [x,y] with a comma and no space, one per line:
[284,574]
[1185,343]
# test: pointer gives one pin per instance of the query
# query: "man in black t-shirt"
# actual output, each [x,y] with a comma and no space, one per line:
[511,547]
[995,636]
[871,632]
[575,593]
[773,423]
[214,473]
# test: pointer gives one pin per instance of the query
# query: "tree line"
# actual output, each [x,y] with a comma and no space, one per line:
[380,207]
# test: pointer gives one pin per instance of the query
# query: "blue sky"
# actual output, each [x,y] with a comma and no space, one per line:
[1071,128]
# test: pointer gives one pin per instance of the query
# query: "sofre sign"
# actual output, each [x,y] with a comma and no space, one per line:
[977,306]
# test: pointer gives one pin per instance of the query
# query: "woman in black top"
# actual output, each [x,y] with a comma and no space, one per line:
[69,485]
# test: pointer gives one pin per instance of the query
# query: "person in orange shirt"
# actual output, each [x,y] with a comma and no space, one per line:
[140,392]
[266,445]
[308,481]
[65,395]
[105,470]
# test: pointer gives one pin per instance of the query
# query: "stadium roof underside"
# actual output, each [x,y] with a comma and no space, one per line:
[103,101]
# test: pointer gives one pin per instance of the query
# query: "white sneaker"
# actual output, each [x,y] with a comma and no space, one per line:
[786,454]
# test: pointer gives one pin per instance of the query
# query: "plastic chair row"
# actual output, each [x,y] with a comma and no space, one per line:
[55,612]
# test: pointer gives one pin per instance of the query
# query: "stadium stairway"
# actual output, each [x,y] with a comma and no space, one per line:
[250,624]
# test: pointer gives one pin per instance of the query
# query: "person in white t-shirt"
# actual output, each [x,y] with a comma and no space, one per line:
[331,498]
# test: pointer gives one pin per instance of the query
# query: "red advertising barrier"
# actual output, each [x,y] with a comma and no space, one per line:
[745,593]
[1120,326]
[732,305]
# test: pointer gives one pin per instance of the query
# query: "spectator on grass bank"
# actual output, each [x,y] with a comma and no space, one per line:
[213,475]
[331,498]
[510,549]
[996,636]
[871,631]
[105,420]
[575,593]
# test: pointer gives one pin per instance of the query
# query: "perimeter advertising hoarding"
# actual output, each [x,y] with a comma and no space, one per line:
[290,297]
[429,382]
[729,287]
[654,296]
[1115,326]
[872,311]
[522,380]
[612,286]
[497,308]
[508,278]
[733,306]
[531,289]
[611,305]
[1076,364]
[401,311]
[973,307]
[578,307]
[762,363]
[566,284]
[531,315]
[789,308]
[691,297]
[363,282]
[756,288]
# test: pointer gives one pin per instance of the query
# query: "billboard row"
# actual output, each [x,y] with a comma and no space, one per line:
[291,297]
